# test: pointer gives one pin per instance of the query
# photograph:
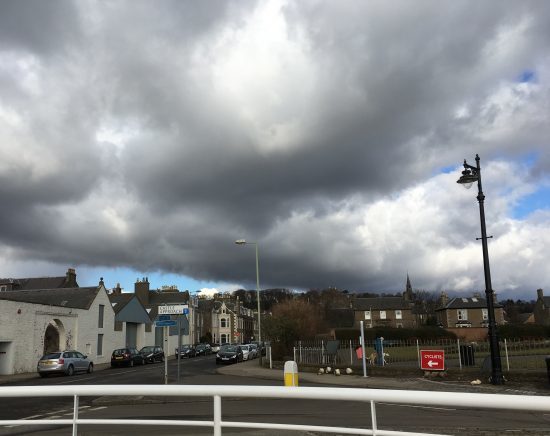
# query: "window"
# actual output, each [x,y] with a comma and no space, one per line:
[398,314]
[382,314]
[223,322]
[484,314]
[223,338]
[367,314]
[399,325]
[462,314]
[101,312]
[100,344]
[3,288]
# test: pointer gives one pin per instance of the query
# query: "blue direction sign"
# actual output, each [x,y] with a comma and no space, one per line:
[186,311]
[167,323]
[163,318]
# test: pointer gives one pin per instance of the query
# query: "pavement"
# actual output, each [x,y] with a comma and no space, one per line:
[410,380]
[415,380]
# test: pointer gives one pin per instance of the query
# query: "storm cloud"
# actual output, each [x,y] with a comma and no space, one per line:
[151,136]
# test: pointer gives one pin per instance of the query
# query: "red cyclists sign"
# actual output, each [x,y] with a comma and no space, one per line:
[432,360]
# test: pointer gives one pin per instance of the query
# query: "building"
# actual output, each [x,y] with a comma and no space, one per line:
[541,311]
[396,312]
[35,322]
[26,284]
[466,312]
[190,325]
[229,321]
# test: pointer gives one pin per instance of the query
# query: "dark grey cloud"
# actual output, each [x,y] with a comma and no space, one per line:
[153,136]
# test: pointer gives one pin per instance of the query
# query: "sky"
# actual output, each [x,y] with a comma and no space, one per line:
[141,139]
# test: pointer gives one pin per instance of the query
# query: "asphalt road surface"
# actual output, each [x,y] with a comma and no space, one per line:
[202,371]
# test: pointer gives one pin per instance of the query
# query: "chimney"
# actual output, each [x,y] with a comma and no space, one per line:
[117,290]
[540,294]
[141,289]
[443,299]
[70,278]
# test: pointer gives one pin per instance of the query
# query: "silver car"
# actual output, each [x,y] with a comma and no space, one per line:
[67,362]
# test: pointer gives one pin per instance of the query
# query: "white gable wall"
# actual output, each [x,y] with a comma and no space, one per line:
[23,326]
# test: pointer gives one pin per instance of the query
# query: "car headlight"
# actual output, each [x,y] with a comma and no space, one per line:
[218,355]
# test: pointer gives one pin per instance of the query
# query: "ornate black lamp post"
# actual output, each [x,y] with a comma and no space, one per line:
[470,175]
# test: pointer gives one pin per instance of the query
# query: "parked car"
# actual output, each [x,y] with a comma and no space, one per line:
[261,347]
[215,348]
[152,354]
[254,348]
[128,356]
[229,354]
[187,351]
[66,362]
[203,349]
[247,352]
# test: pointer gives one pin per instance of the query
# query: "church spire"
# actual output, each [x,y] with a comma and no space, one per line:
[408,294]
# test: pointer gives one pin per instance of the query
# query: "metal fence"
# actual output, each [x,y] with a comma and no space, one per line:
[515,354]
[368,396]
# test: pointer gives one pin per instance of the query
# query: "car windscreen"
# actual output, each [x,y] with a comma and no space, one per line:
[147,349]
[120,351]
[51,356]
[229,349]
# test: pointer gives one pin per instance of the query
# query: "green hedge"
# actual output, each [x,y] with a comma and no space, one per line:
[523,331]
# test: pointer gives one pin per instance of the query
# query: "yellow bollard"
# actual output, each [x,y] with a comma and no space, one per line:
[291,373]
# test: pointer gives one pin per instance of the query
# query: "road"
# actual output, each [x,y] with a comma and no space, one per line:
[202,371]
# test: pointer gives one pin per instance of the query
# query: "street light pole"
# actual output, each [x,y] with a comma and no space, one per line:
[244,242]
[470,175]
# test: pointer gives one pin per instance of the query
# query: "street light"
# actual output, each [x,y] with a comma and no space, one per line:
[470,175]
[244,242]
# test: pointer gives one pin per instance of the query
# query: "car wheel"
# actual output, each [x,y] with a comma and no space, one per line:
[90,368]
[43,374]
[131,363]
[70,370]
[161,359]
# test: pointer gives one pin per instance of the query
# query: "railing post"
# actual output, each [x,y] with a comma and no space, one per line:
[300,345]
[350,354]
[75,416]
[294,353]
[506,352]
[217,415]
[373,417]
[459,357]
[418,353]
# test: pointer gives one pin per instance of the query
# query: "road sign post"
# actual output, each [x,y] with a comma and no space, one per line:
[432,360]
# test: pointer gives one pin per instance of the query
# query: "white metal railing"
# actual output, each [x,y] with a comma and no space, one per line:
[370,396]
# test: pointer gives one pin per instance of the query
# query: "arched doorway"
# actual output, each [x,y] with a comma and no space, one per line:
[54,336]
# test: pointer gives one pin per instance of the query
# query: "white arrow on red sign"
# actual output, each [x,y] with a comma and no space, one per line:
[431,363]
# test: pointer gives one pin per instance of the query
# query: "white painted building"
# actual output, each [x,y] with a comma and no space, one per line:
[33,322]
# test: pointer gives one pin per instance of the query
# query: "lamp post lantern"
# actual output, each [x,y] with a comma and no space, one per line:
[470,175]
[244,242]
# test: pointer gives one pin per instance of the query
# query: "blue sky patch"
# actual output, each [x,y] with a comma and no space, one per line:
[87,276]
[539,199]
[527,76]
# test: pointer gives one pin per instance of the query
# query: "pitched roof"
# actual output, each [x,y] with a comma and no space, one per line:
[76,298]
[118,301]
[466,303]
[35,283]
[380,303]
